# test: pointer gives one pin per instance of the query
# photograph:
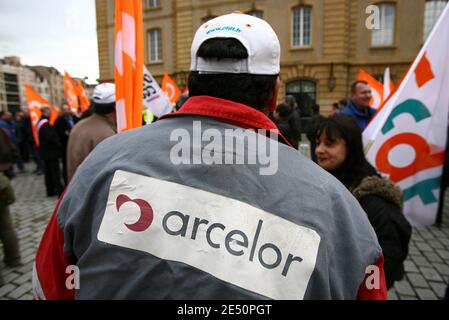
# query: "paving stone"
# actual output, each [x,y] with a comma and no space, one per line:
[443,254]
[20,291]
[443,269]
[431,274]
[28,258]
[412,250]
[421,261]
[22,279]
[438,288]
[10,277]
[6,289]
[404,288]
[27,296]
[433,257]
[427,235]
[417,280]
[408,298]
[424,246]
[438,234]
[27,252]
[426,294]
[435,244]
[26,268]
[410,266]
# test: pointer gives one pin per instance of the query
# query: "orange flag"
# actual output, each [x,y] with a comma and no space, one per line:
[84,100]
[376,86]
[35,103]
[170,88]
[128,63]
[71,93]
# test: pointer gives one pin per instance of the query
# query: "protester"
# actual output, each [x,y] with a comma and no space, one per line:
[50,152]
[312,127]
[182,99]
[294,119]
[281,116]
[63,126]
[335,109]
[22,140]
[8,124]
[342,103]
[92,130]
[359,105]
[340,152]
[32,149]
[192,236]
[8,155]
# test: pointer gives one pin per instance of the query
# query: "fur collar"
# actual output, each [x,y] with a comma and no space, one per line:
[377,186]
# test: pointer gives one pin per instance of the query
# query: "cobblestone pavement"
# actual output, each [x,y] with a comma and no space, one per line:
[427,265]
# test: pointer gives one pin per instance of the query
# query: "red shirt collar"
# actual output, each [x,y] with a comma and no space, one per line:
[227,111]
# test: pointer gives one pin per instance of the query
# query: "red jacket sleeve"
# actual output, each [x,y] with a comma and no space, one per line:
[49,274]
[374,286]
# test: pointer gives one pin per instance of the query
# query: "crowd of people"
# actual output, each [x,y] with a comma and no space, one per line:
[349,216]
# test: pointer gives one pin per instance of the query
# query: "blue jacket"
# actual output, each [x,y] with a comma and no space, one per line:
[361,116]
[12,129]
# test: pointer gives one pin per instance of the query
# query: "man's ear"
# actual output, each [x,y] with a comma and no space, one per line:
[273,100]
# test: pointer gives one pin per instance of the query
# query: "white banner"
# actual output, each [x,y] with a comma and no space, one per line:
[154,100]
[407,139]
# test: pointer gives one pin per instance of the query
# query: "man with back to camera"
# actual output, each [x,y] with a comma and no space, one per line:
[91,131]
[50,151]
[142,220]
[359,105]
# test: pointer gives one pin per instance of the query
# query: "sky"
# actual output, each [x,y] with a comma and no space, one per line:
[57,33]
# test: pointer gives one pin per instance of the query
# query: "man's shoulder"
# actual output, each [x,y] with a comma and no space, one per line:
[346,111]
[85,124]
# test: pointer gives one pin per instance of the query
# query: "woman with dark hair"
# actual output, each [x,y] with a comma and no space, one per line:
[340,152]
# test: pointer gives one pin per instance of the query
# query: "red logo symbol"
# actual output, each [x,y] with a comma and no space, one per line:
[146,213]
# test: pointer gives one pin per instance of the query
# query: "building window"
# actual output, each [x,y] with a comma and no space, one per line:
[155,43]
[154,3]
[302,27]
[433,10]
[256,13]
[385,34]
[304,92]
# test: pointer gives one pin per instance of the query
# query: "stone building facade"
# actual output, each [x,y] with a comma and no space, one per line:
[324,42]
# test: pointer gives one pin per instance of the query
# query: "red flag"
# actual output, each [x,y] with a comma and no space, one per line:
[376,86]
[128,63]
[35,103]
[71,93]
[84,100]
[170,88]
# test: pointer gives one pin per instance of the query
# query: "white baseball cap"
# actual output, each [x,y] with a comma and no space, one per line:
[104,93]
[256,35]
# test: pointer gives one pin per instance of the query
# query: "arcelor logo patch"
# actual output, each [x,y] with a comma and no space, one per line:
[226,238]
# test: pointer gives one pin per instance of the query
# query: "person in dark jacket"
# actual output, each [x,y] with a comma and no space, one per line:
[340,152]
[281,116]
[63,126]
[50,151]
[31,143]
[312,127]
[8,155]
[294,119]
